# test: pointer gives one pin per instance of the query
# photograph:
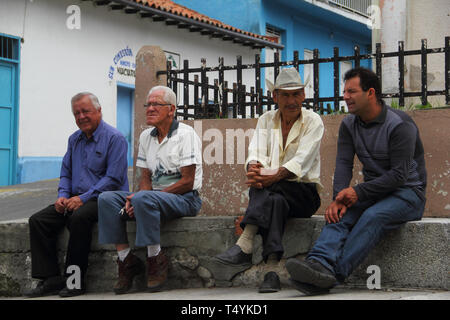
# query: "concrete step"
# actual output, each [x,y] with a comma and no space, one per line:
[414,256]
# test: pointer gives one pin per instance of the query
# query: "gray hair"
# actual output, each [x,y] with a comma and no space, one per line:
[169,95]
[92,97]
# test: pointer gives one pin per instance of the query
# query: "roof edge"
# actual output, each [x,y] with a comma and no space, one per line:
[235,36]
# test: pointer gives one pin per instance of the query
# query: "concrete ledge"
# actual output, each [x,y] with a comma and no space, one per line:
[414,256]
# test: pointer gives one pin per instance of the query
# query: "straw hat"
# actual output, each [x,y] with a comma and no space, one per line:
[288,79]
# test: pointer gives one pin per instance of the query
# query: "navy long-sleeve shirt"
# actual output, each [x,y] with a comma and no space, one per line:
[91,166]
[390,150]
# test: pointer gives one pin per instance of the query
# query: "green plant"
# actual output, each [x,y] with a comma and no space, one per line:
[420,106]
[395,104]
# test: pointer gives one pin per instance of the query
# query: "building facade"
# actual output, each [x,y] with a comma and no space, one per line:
[52,49]
[300,25]
[411,21]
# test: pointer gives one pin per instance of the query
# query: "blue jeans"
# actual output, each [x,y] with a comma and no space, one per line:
[150,207]
[342,246]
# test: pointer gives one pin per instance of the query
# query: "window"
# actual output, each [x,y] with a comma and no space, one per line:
[308,74]
[8,48]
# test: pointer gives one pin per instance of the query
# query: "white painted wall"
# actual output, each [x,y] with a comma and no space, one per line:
[411,21]
[57,62]
[393,28]
[427,20]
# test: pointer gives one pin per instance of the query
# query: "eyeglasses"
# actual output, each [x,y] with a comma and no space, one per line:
[156,105]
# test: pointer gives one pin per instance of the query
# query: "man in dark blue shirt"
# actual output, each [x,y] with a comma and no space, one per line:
[388,144]
[95,161]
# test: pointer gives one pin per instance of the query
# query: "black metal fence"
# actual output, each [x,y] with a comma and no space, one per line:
[216,99]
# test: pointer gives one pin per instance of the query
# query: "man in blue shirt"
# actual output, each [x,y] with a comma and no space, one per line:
[95,161]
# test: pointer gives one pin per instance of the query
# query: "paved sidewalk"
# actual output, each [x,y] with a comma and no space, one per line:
[239,293]
[21,201]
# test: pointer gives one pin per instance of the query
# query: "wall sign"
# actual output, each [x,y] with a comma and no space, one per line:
[174,58]
[124,63]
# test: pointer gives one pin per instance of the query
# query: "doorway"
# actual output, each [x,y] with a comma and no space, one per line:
[125,112]
[9,102]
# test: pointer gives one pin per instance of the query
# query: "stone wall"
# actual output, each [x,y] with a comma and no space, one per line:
[224,191]
[225,144]
[414,256]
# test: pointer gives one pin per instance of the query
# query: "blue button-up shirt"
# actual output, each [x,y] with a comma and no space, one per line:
[91,166]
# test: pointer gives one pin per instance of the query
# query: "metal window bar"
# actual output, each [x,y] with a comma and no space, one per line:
[222,107]
[356,6]
[6,45]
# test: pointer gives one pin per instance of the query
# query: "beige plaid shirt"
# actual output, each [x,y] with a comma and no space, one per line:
[301,154]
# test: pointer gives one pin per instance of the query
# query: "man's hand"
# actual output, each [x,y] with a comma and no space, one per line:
[128,207]
[252,172]
[73,203]
[254,165]
[60,204]
[335,212]
[347,196]
[257,180]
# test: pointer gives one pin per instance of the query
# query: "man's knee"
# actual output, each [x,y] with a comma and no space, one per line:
[105,197]
[33,220]
[40,216]
[372,215]
[147,198]
[83,218]
[110,202]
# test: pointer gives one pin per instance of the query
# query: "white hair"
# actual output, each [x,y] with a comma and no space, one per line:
[169,95]
[92,97]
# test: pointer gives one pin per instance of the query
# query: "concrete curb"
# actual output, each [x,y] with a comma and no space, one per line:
[414,256]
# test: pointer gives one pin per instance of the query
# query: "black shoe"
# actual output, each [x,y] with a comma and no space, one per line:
[235,256]
[67,293]
[271,283]
[310,272]
[308,289]
[48,287]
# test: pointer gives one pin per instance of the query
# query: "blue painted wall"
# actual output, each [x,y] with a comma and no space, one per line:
[302,25]
[242,14]
[311,32]
[30,169]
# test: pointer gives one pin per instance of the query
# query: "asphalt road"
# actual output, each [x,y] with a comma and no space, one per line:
[20,201]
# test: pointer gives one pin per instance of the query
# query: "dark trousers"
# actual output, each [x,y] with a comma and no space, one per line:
[269,208]
[47,224]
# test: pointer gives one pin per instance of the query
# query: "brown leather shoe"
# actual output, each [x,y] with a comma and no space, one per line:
[128,269]
[157,270]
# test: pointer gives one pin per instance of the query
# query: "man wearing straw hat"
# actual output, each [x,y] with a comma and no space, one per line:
[283,173]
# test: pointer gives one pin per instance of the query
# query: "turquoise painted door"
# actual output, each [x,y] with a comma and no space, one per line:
[125,96]
[7,122]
